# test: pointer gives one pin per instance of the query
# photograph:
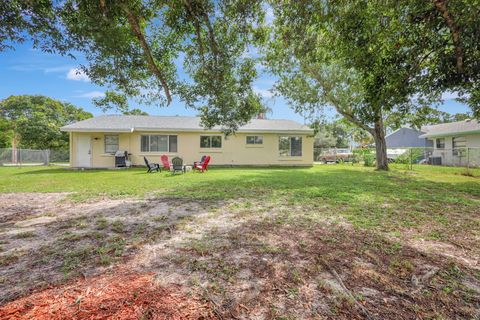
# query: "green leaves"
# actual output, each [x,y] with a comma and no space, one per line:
[371,60]
[36,121]
[152,51]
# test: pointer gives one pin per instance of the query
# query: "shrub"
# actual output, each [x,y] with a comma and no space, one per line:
[366,155]
[413,154]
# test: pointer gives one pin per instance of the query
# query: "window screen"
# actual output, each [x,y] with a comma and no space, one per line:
[210,141]
[111,143]
[158,143]
[254,139]
[441,143]
[290,146]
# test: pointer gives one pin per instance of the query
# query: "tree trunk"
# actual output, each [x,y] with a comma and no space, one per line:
[380,145]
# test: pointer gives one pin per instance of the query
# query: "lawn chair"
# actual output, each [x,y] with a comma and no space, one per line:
[166,164]
[151,166]
[202,166]
[202,160]
[177,165]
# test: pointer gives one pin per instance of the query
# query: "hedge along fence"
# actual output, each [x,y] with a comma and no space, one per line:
[17,157]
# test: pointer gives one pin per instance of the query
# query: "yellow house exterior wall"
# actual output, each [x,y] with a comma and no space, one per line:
[234,150]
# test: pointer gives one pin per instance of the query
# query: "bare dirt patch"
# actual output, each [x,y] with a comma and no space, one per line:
[46,239]
[272,264]
[18,206]
[242,259]
[449,251]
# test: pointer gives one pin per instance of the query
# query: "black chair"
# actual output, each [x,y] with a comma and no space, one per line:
[177,165]
[151,166]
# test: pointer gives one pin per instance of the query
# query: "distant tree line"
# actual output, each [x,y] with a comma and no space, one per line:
[34,121]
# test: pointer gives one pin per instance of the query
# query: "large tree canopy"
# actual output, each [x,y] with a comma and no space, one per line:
[135,47]
[34,121]
[370,59]
[423,116]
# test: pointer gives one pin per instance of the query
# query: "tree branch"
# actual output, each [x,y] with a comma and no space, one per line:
[337,104]
[135,26]
[441,6]
[354,120]
[203,15]
[196,25]
[211,34]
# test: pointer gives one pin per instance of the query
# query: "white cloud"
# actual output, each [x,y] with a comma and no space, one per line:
[57,69]
[77,75]
[448,95]
[264,93]
[91,94]
[40,67]
[24,67]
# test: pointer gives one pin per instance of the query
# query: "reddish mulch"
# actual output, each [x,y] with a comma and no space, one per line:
[117,296]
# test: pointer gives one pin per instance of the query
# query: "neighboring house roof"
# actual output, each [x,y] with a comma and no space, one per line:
[122,123]
[469,126]
[406,138]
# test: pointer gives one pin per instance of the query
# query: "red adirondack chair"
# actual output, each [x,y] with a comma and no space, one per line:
[166,164]
[202,166]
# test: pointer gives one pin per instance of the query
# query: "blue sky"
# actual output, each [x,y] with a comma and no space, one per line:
[29,71]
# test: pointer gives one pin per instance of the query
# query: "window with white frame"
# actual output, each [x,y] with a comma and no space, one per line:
[252,140]
[210,141]
[459,146]
[158,143]
[111,143]
[440,143]
[290,146]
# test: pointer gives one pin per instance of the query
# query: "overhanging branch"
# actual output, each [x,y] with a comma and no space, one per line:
[337,104]
[441,6]
[152,65]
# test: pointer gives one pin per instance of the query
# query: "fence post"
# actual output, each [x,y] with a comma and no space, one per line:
[47,157]
[468,160]
[411,156]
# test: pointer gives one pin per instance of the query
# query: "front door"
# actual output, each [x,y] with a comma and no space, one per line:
[84,153]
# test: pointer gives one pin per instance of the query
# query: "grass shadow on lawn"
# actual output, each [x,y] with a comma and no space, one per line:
[387,201]
[83,239]
[284,267]
[337,183]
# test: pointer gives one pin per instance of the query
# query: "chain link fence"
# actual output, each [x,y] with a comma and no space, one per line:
[456,157]
[30,157]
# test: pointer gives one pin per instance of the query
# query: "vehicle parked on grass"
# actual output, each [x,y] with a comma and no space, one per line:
[335,155]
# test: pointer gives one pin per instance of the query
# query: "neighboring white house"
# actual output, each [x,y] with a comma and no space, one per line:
[455,143]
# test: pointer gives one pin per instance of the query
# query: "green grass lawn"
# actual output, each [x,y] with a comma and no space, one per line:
[282,230]
[387,200]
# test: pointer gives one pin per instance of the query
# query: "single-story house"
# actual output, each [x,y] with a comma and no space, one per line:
[93,142]
[407,138]
[455,143]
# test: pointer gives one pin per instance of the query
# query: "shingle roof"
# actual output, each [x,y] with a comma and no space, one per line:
[469,126]
[122,123]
